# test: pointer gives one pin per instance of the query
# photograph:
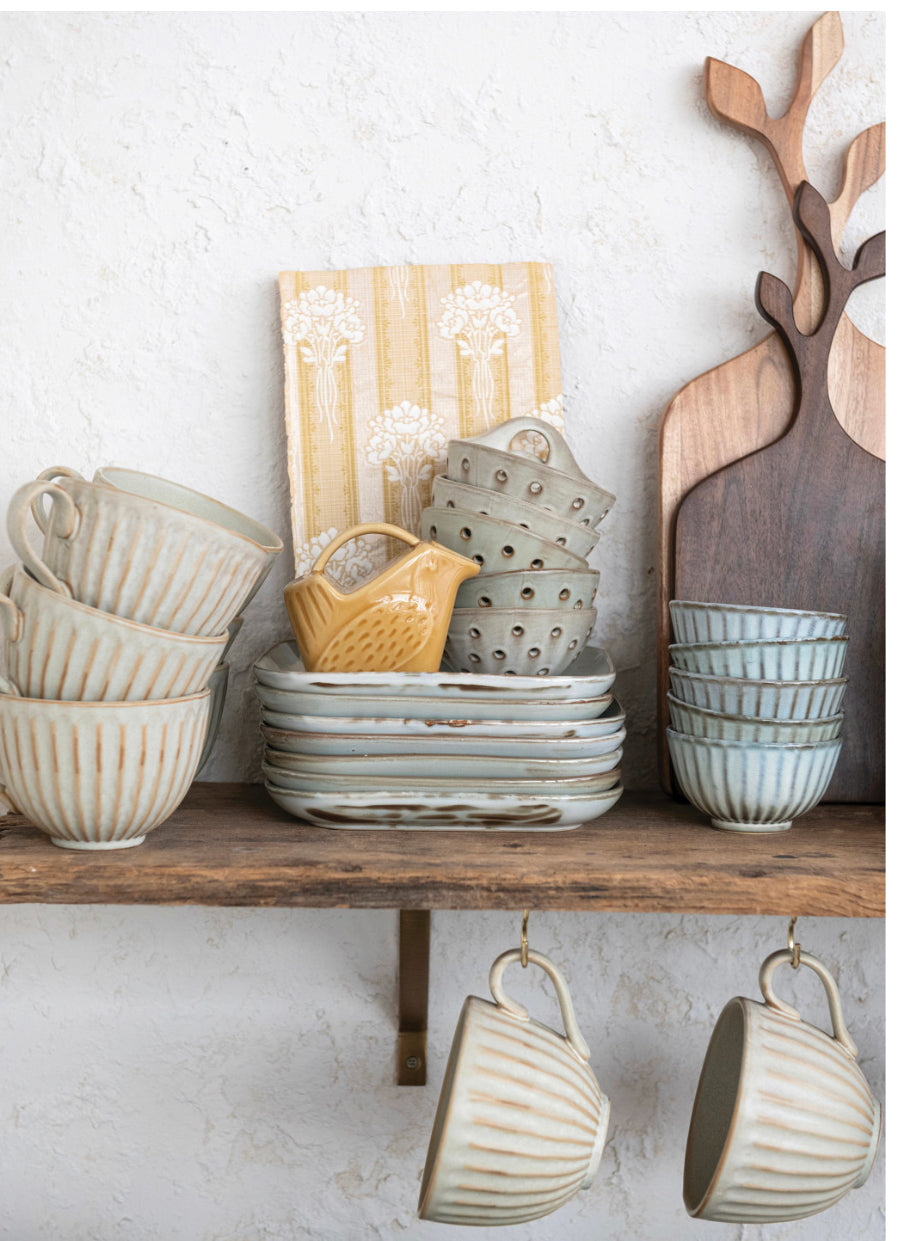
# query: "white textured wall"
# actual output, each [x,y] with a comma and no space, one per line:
[212,1074]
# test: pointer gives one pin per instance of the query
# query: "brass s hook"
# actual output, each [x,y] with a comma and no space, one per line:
[792,945]
[524,939]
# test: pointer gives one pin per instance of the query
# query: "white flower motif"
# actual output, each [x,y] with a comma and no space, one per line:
[398,279]
[350,564]
[407,440]
[323,322]
[479,317]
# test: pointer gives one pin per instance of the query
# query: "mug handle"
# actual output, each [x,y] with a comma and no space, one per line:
[37,510]
[572,1030]
[354,532]
[769,965]
[560,456]
[19,508]
[11,619]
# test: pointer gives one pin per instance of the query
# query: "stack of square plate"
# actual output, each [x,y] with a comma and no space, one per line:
[441,749]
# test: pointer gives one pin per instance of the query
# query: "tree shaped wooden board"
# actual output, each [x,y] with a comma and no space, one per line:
[800,523]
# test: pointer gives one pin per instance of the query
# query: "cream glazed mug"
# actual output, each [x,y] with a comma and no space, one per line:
[784,1123]
[521,1121]
[59,648]
[157,553]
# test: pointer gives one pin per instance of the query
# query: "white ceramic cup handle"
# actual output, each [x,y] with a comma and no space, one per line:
[354,532]
[16,516]
[37,510]
[11,619]
[572,1030]
[559,455]
[782,957]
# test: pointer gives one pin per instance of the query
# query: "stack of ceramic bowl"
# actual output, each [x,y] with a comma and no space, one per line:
[530,524]
[440,749]
[114,635]
[754,707]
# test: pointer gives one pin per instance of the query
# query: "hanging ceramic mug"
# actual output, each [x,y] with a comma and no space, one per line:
[784,1123]
[521,1121]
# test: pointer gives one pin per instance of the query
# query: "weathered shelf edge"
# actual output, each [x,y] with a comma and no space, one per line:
[228,845]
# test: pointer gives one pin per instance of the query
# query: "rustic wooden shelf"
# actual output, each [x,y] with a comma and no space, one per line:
[228,844]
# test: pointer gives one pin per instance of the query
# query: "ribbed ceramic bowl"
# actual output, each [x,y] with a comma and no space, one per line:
[530,588]
[699,722]
[795,659]
[748,786]
[494,544]
[579,539]
[515,641]
[770,700]
[100,775]
[557,483]
[731,622]
[218,689]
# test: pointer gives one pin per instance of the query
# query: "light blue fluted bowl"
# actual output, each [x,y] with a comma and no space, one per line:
[772,700]
[750,786]
[732,622]
[699,722]
[772,659]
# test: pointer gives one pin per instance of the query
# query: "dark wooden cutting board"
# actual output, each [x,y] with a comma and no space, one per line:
[800,524]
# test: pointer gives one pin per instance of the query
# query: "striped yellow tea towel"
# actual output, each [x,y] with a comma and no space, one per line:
[383,365]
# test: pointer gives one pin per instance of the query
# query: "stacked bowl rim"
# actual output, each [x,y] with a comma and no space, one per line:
[775,659]
[760,697]
[692,621]
[696,721]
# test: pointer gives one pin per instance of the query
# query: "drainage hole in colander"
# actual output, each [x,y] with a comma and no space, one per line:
[527,592]
[451,504]
[485,601]
[478,558]
[433,532]
[501,476]
[543,672]
[562,541]
[499,654]
[534,652]
[518,630]
[564,593]
[535,489]
[572,644]
[473,632]
[537,564]
[466,464]
[508,551]
[474,659]
[578,605]
[465,533]
[555,632]
[578,503]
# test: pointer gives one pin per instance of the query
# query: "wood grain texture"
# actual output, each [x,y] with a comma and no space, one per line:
[747,402]
[801,523]
[228,844]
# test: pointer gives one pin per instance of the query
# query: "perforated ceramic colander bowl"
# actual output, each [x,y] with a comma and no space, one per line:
[494,544]
[530,588]
[532,642]
[556,483]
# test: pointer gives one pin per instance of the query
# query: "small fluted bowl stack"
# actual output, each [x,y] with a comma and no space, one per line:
[115,634]
[754,706]
[530,524]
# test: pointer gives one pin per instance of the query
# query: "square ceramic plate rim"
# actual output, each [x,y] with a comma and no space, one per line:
[593,806]
[414,684]
[444,711]
[458,786]
[458,745]
[334,765]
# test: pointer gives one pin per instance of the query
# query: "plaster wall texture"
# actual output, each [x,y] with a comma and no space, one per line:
[222,1075]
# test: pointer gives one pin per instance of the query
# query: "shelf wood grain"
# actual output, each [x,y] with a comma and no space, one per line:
[228,844]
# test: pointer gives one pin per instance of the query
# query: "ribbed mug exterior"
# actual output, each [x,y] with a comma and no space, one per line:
[521,1121]
[59,648]
[727,622]
[771,700]
[100,775]
[784,1123]
[750,786]
[138,558]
